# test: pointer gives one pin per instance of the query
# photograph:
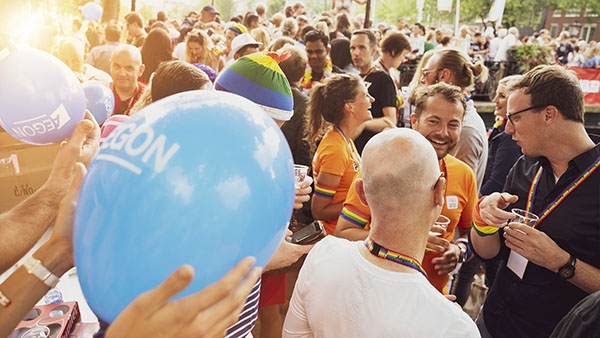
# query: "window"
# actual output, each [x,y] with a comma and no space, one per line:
[554,30]
[573,13]
[589,13]
[587,32]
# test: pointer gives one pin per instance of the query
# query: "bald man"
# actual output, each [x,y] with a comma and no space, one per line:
[377,287]
[126,67]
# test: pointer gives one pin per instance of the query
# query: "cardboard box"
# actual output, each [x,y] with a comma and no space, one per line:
[23,169]
[58,320]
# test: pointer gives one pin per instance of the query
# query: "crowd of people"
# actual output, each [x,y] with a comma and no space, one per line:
[385,161]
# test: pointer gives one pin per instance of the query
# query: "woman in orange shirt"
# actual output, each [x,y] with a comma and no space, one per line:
[337,111]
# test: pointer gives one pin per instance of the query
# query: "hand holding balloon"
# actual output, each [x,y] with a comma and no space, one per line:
[207,313]
[201,178]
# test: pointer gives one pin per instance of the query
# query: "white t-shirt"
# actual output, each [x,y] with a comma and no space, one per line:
[508,41]
[179,51]
[340,294]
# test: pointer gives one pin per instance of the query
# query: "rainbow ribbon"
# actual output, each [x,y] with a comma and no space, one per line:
[576,183]
[396,257]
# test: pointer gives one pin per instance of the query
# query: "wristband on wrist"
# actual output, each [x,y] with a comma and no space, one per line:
[484,231]
[35,267]
[466,243]
[479,225]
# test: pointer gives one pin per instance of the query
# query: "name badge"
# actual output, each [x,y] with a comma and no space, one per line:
[517,264]
[452,202]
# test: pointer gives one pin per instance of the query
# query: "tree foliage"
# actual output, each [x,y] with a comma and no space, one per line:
[516,13]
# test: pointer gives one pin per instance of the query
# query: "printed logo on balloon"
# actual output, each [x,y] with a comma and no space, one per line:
[202,178]
[41,99]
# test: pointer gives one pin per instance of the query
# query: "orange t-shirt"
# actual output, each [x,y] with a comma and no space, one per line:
[337,157]
[459,206]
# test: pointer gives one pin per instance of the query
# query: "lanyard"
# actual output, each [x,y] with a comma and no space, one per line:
[353,151]
[577,182]
[381,252]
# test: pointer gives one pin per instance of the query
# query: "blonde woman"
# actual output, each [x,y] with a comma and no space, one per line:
[199,49]
[261,35]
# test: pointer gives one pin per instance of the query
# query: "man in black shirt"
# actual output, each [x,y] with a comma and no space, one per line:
[363,47]
[550,267]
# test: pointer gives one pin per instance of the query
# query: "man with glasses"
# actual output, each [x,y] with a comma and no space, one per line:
[363,46]
[551,266]
[319,65]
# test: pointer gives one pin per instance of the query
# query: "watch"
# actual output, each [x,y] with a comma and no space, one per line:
[36,268]
[567,271]
[462,257]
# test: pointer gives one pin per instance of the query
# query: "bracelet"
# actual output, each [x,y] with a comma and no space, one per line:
[36,268]
[4,301]
[466,243]
[484,231]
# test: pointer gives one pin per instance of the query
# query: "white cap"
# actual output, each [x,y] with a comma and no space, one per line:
[242,41]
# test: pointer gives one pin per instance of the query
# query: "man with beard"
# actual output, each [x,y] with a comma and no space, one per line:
[438,116]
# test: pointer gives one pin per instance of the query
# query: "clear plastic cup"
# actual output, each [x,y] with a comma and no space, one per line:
[524,217]
[300,172]
[441,223]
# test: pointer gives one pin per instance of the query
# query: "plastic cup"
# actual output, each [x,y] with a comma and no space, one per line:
[441,222]
[300,172]
[524,217]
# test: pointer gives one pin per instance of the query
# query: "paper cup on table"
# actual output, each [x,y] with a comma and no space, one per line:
[300,172]
[524,217]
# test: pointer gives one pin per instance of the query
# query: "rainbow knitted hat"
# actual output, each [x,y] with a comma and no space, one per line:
[238,28]
[258,78]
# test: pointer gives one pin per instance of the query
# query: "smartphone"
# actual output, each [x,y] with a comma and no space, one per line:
[309,234]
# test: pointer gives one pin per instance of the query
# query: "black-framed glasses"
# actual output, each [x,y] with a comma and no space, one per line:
[511,115]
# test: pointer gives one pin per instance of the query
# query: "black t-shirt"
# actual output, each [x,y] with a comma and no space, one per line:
[562,52]
[295,128]
[383,90]
[532,306]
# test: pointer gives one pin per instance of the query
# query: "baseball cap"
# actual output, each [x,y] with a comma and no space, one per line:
[210,9]
[242,41]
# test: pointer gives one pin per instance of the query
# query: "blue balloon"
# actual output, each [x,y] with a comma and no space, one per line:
[91,11]
[99,100]
[41,99]
[201,177]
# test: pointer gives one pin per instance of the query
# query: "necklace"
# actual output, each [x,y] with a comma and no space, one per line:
[396,257]
[576,183]
[352,148]
[371,70]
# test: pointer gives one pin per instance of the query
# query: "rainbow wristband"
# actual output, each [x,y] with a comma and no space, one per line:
[484,231]
[324,191]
